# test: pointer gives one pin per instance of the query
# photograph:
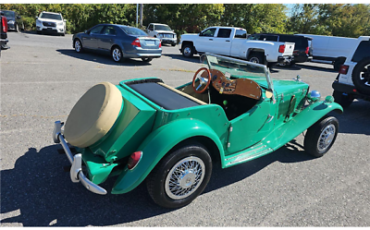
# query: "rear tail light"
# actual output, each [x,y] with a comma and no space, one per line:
[160,44]
[343,69]
[134,159]
[4,24]
[307,49]
[136,43]
[281,48]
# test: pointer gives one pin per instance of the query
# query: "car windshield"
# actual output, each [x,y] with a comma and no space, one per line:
[234,68]
[51,16]
[162,27]
[133,31]
[8,14]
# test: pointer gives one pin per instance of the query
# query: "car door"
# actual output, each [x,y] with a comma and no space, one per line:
[222,42]
[204,42]
[106,38]
[252,126]
[89,39]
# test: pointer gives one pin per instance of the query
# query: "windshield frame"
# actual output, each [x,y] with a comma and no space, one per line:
[266,70]
[166,26]
[45,13]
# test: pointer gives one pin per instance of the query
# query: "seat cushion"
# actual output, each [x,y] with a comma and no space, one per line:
[93,115]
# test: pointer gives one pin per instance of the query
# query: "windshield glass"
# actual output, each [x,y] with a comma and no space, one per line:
[162,27]
[51,16]
[8,14]
[133,31]
[234,68]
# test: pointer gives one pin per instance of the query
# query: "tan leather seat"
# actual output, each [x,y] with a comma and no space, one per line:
[93,115]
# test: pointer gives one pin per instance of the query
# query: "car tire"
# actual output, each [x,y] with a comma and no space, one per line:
[188,50]
[173,44]
[345,100]
[63,34]
[256,57]
[116,54]
[78,46]
[147,59]
[321,136]
[195,159]
[361,76]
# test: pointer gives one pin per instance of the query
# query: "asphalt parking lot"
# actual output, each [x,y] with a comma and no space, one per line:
[42,78]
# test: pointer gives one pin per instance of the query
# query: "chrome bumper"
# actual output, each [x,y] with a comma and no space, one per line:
[76,169]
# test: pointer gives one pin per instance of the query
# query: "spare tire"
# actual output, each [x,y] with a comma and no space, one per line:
[93,115]
[361,76]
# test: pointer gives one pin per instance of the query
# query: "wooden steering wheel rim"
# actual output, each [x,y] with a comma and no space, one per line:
[208,83]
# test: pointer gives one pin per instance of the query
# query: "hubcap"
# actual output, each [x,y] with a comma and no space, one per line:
[187,51]
[184,178]
[116,54]
[254,60]
[78,46]
[326,138]
[365,75]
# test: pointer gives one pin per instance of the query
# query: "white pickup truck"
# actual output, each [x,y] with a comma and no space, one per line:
[231,41]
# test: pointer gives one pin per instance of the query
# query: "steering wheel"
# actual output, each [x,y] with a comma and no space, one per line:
[202,79]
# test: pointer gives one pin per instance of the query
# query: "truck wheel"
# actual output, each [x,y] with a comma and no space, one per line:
[361,76]
[257,57]
[321,136]
[345,100]
[180,176]
[188,50]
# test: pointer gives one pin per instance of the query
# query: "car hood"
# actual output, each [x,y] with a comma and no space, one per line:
[49,20]
[290,87]
[164,32]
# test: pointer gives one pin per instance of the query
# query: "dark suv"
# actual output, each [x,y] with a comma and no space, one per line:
[303,46]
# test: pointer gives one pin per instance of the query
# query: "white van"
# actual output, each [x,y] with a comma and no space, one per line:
[331,48]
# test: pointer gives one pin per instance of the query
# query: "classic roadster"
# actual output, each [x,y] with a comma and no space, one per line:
[232,112]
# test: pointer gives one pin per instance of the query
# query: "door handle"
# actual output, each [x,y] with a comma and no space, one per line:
[211,39]
[227,40]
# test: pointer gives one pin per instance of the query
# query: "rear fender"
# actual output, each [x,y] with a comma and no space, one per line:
[157,145]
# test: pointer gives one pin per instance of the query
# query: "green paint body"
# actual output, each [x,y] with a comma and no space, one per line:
[144,126]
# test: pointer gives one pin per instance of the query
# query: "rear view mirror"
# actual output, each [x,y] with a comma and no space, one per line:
[1,13]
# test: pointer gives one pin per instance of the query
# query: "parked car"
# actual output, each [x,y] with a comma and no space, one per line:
[51,23]
[163,32]
[119,41]
[230,113]
[232,42]
[331,48]
[302,49]
[353,80]
[15,21]
[4,29]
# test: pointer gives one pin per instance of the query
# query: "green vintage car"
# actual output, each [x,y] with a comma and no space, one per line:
[232,112]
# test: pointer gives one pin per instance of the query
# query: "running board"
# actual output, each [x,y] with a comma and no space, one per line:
[251,153]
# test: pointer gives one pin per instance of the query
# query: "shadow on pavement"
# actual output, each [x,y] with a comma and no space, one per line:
[194,59]
[329,68]
[44,195]
[355,119]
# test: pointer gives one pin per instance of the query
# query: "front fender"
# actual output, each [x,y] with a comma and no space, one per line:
[299,123]
[158,144]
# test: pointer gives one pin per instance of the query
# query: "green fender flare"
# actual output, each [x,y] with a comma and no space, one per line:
[158,144]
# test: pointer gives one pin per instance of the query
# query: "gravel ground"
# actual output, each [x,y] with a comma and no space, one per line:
[42,78]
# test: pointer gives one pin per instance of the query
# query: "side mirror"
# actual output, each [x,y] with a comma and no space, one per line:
[36,17]
[85,31]
[65,20]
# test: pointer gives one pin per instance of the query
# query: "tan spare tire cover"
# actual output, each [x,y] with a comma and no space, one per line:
[93,115]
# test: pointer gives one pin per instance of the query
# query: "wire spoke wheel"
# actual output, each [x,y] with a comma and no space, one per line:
[326,137]
[184,178]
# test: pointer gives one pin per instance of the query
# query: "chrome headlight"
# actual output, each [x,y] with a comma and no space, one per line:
[10,22]
[60,23]
[314,96]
